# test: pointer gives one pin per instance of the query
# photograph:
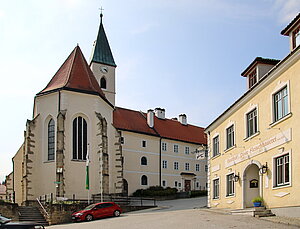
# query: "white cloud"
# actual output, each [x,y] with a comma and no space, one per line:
[2,13]
[287,9]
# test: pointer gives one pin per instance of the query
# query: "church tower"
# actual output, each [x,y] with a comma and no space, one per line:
[103,65]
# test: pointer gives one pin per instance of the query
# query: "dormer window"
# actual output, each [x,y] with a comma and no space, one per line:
[296,38]
[252,79]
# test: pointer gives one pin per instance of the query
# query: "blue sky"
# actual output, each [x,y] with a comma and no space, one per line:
[182,55]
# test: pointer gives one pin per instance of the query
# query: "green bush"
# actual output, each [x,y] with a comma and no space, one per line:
[258,199]
[196,193]
[155,191]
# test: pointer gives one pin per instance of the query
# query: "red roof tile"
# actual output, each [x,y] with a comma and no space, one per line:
[74,74]
[136,121]
[126,119]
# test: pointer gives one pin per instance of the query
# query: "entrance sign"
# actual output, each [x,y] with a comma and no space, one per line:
[254,183]
[281,138]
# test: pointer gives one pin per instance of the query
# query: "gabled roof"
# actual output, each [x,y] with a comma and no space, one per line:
[259,60]
[291,25]
[74,75]
[136,121]
[101,52]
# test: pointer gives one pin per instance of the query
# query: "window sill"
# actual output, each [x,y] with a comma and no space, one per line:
[49,161]
[216,156]
[230,196]
[75,160]
[282,186]
[232,147]
[281,120]
[216,198]
[252,136]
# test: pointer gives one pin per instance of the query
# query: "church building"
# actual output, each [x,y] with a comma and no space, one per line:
[76,123]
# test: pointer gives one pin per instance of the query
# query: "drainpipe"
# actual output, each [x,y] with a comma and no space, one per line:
[160,161]
[13,182]
[59,98]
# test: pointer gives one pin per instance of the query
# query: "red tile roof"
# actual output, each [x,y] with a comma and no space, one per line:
[136,121]
[74,75]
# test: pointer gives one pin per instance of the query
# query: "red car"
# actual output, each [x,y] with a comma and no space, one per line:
[95,211]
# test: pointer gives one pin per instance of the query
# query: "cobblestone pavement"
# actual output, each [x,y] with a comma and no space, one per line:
[179,214]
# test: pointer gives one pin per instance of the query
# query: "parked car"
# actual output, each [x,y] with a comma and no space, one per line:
[6,223]
[98,210]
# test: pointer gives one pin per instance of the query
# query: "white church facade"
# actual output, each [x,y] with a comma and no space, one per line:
[75,115]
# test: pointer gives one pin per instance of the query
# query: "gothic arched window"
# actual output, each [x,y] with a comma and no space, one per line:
[143,161]
[51,139]
[79,138]
[144,180]
[103,83]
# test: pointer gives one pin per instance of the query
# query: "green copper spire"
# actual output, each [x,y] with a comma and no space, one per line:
[102,53]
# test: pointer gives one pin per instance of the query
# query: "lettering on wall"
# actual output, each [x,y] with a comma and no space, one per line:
[280,138]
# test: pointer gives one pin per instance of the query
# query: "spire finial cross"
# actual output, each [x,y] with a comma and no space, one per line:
[101,11]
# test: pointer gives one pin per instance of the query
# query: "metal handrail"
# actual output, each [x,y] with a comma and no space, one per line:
[42,207]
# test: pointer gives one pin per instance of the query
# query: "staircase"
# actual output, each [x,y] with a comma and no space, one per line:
[28,213]
[255,212]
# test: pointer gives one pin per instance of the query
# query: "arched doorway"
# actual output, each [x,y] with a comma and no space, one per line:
[251,184]
[125,187]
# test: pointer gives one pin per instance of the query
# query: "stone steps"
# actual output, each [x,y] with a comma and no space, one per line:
[28,213]
[255,212]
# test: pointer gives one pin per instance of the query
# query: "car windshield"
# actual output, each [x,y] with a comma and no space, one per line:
[4,219]
[90,207]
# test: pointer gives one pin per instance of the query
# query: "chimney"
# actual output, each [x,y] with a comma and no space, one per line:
[160,113]
[150,118]
[183,119]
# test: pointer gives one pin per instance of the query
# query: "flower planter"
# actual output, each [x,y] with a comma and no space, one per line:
[257,204]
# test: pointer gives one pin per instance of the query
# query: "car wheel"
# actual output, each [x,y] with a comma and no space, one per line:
[89,218]
[117,213]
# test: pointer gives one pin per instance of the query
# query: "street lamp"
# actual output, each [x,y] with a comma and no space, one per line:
[236,177]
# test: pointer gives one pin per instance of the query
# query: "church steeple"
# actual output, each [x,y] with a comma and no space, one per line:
[103,65]
[102,53]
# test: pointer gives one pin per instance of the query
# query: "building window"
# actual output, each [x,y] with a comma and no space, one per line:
[216,189]
[197,167]
[164,146]
[122,140]
[103,83]
[79,138]
[282,175]
[230,185]
[164,164]
[176,184]
[164,183]
[176,165]
[175,148]
[206,168]
[216,145]
[252,79]
[296,40]
[179,185]
[51,139]
[144,180]
[187,150]
[280,101]
[187,166]
[143,143]
[252,122]
[230,137]
[143,161]
[197,185]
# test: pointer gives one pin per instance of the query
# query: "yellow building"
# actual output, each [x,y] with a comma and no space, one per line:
[254,148]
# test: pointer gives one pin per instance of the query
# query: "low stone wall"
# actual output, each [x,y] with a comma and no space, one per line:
[61,213]
[9,210]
